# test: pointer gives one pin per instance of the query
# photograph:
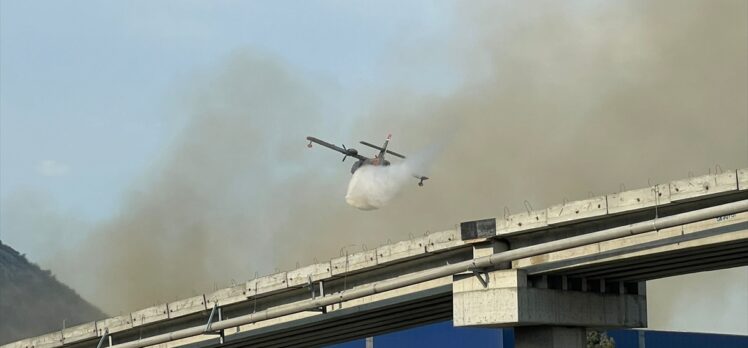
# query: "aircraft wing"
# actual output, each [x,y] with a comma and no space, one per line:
[393,153]
[345,151]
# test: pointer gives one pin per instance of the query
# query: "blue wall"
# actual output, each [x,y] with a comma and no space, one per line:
[442,335]
[664,339]
[439,335]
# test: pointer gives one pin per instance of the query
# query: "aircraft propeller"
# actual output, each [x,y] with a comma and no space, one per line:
[349,152]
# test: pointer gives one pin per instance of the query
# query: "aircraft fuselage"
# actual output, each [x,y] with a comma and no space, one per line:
[376,161]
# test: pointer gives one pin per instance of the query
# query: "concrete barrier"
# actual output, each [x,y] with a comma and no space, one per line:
[79,332]
[149,315]
[270,283]
[354,262]
[53,339]
[227,296]
[743,179]
[315,272]
[633,200]
[691,188]
[114,324]
[442,241]
[187,306]
[577,210]
[402,250]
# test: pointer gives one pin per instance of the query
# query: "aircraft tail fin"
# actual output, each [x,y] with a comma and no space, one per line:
[384,146]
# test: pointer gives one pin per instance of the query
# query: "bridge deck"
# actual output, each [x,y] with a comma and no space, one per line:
[705,246]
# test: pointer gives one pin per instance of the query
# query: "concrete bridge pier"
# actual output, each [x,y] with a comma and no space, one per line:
[546,311]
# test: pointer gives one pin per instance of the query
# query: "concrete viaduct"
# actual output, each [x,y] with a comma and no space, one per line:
[550,274]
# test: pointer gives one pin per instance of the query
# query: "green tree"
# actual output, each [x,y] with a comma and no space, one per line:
[599,339]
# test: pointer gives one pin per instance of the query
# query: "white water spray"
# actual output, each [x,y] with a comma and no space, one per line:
[372,187]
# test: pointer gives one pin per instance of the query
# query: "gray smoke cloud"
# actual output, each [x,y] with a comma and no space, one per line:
[559,102]
[553,101]
[179,229]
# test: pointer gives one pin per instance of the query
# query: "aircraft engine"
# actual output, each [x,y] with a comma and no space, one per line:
[349,152]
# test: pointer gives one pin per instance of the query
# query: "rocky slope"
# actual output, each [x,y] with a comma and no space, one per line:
[33,302]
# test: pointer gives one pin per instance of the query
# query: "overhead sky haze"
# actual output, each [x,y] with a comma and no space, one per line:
[83,80]
[152,150]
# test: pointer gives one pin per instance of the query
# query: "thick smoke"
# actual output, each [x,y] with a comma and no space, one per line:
[558,102]
[204,216]
[549,101]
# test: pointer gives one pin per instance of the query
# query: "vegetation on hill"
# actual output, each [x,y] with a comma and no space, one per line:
[33,302]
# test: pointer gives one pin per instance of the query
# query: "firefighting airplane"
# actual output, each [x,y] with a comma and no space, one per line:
[377,160]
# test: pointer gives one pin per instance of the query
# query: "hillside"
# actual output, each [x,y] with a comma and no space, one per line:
[33,302]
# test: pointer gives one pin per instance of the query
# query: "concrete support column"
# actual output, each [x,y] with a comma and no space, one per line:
[550,337]
[489,248]
[504,298]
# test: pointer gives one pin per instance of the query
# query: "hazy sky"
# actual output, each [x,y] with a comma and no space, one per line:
[72,71]
[115,117]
